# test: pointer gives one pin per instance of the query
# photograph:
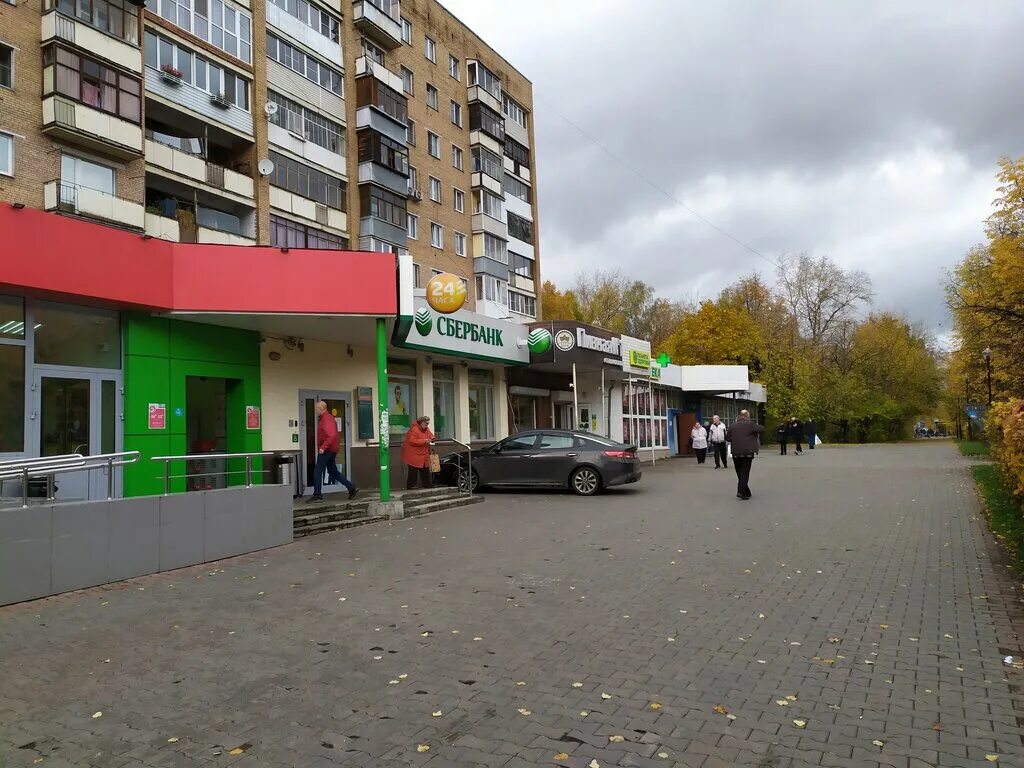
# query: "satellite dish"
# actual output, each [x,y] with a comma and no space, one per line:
[265,167]
[270,109]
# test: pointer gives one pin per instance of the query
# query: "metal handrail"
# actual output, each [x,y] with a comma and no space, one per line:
[201,456]
[44,460]
[469,472]
[51,466]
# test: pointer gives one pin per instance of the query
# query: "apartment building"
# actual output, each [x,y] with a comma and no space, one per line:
[140,140]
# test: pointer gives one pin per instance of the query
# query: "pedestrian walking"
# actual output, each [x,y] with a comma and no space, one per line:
[782,435]
[796,433]
[328,442]
[699,442]
[745,444]
[812,433]
[416,454]
[717,434]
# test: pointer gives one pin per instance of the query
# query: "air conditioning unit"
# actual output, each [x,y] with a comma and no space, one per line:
[220,100]
[416,194]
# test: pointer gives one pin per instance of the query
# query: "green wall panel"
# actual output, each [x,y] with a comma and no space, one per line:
[195,341]
[146,335]
[145,381]
[145,478]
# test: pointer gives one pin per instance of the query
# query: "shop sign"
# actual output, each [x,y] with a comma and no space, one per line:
[639,359]
[252,417]
[464,334]
[598,344]
[157,416]
[655,371]
[563,341]
[446,293]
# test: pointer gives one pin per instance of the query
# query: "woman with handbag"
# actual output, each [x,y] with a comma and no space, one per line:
[416,454]
[699,442]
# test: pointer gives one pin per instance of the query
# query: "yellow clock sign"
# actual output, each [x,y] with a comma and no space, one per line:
[446,293]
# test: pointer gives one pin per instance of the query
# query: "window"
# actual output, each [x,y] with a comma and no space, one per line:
[488,203]
[522,304]
[459,199]
[89,82]
[524,413]
[435,189]
[436,235]
[384,205]
[310,68]
[490,288]
[377,148]
[407,81]
[485,161]
[308,182]
[495,248]
[304,122]
[430,49]
[434,144]
[311,15]
[460,244]
[223,25]
[67,334]
[373,52]
[444,401]
[406,31]
[371,92]
[416,281]
[6,154]
[518,154]
[513,110]
[410,133]
[481,404]
[457,155]
[453,67]
[483,118]
[6,66]
[520,265]
[76,172]
[553,442]
[115,17]
[401,395]
[517,188]
[414,226]
[431,97]
[195,70]
[285,233]
[456,114]
[641,402]
[520,228]
[482,76]
[414,178]
[12,384]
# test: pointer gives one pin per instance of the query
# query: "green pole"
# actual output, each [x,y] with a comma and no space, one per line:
[382,410]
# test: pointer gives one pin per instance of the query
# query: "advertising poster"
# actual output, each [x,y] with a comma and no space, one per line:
[399,405]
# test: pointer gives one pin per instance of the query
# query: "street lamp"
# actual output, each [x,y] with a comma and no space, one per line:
[987,354]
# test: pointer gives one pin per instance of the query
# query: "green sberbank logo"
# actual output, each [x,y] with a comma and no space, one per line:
[539,341]
[424,321]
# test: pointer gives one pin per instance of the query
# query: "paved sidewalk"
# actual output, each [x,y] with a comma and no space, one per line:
[854,614]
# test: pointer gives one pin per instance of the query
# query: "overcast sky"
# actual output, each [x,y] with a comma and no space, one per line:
[866,130]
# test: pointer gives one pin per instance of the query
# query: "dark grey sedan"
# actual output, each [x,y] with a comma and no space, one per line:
[548,458]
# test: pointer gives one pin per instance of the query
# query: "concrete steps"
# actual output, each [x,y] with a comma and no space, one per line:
[331,515]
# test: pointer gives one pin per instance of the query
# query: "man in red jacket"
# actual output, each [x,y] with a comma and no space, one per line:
[327,444]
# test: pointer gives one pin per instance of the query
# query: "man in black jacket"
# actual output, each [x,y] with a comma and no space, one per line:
[796,433]
[745,444]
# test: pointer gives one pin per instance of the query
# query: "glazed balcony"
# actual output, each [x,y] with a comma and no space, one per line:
[121,49]
[91,128]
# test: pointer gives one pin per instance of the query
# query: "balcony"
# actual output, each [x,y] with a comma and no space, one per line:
[184,97]
[88,127]
[278,18]
[516,132]
[484,223]
[486,181]
[307,150]
[375,173]
[316,213]
[485,266]
[521,283]
[214,178]
[371,226]
[123,52]
[486,140]
[285,81]
[377,25]
[478,93]
[378,120]
[367,66]
[66,197]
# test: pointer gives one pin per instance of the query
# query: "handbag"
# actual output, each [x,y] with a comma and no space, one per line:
[435,463]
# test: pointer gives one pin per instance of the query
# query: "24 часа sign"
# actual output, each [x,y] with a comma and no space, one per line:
[463,334]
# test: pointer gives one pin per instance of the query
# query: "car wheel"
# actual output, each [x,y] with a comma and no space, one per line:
[585,481]
[464,485]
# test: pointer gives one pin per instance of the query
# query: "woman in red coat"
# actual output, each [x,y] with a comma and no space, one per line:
[416,453]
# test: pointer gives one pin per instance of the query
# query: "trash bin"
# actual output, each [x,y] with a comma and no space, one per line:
[284,468]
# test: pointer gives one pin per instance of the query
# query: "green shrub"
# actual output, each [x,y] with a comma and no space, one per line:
[1002,509]
[972,448]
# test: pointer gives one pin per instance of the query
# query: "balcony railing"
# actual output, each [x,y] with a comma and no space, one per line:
[69,197]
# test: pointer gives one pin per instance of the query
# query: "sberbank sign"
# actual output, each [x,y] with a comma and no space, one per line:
[463,329]
[463,334]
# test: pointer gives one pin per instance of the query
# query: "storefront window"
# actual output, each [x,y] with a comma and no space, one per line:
[444,402]
[12,317]
[481,404]
[524,412]
[79,336]
[645,412]
[12,397]
[401,395]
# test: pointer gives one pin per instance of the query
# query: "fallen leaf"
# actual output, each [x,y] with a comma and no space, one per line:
[96,714]
[478,638]
[392,682]
[663,755]
[521,683]
[800,723]
[239,749]
[991,758]
[172,740]
[878,743]
[730,717]
[402,676]
[796,643]
[791,697]
[422,747]
[561,756]
[593,764]
[884,626]
[616,739]
[524,712]
[671,639]
[936,726]
[834,639]
[606,696]
[424,634]
[655,706]
[720,710]
[782,702]
[584,713]
[577,685]
[760,615]
[377,658]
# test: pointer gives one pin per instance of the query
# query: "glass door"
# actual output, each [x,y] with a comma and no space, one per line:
[78,413]
[338,408]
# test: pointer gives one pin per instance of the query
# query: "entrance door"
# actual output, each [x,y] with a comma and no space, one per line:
[685,422]
[338,406]
[78,413]
[563,416]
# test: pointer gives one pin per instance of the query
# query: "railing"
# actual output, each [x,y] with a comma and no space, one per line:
[49,467]
[464,482]
[206,456]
